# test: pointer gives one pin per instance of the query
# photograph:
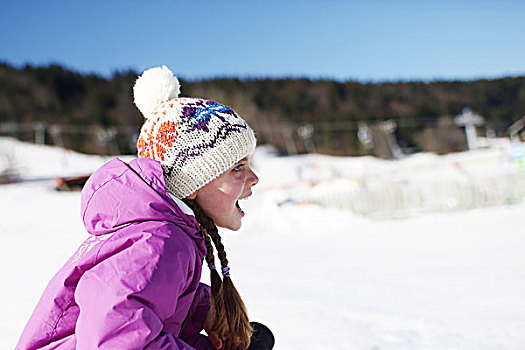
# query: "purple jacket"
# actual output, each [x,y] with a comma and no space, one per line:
[134,283]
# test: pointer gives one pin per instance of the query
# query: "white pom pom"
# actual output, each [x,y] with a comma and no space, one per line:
[154,86]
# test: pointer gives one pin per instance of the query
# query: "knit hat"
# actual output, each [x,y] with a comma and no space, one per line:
[194,139]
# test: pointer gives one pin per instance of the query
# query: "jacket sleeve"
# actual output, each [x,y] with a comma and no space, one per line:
[194,322]
[123,299]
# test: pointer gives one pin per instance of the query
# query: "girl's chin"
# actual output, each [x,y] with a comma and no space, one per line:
[233,227]
[234,223]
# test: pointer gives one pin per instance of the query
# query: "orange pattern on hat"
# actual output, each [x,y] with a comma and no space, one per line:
[152,144]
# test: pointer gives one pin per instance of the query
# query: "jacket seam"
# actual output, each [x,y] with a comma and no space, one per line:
[94,192]
[53,332]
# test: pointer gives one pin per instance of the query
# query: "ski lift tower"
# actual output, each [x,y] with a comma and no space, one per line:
[516,129]
[469,120]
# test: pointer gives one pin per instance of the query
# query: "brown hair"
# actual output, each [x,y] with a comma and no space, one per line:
[231,316]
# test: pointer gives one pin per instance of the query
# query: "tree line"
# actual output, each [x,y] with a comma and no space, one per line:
[422,111]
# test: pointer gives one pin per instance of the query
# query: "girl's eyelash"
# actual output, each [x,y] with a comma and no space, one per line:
[238,167]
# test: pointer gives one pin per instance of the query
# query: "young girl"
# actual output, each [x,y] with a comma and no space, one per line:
[135,283]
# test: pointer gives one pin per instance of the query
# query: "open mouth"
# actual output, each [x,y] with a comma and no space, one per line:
[239,207]
[237,203]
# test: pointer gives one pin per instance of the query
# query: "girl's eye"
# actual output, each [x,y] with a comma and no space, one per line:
[238,167]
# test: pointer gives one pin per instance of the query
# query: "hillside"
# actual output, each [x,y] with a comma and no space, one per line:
[78,106]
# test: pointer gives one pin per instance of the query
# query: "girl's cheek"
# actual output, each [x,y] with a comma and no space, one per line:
[239,175]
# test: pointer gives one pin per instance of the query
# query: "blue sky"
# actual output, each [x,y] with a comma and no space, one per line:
[357,40]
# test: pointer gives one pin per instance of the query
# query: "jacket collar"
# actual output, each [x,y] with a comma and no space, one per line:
[182,206]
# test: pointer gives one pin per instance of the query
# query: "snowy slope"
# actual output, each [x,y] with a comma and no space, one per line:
[320,277]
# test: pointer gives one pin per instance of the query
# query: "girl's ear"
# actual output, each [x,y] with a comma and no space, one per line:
[192,196]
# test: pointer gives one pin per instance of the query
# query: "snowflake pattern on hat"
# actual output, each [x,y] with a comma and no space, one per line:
[201,111]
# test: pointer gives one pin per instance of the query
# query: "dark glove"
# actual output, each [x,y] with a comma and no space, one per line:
[262,337]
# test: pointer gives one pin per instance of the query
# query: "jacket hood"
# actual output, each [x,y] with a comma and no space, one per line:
[119,194]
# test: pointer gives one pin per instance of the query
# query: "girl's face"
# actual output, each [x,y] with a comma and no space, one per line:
[219,198]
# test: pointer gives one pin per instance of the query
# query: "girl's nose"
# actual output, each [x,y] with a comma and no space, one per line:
[252,178]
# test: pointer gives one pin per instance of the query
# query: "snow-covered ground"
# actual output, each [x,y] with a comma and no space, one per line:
[320,277]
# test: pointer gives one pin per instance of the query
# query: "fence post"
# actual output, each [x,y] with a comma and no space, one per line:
[40,133]
[288,139]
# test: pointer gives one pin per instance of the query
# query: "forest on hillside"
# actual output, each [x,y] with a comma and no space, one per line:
[295,115]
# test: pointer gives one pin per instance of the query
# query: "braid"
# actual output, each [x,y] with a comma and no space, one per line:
[234,307]
[232,318]
[210,258]
[204,221]
[217,240]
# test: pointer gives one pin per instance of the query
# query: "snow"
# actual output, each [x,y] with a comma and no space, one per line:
[320,277]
